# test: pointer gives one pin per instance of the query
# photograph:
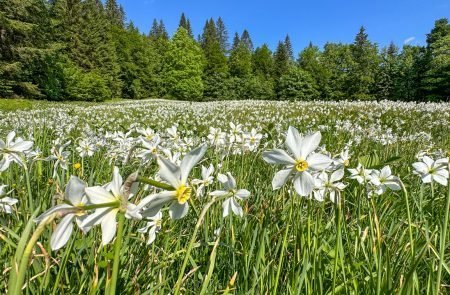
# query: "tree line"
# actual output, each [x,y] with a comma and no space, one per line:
[84,50]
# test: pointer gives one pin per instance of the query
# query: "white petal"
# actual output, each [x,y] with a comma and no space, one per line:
[237,209]
[177,210]
[62,232]
[74,190]
[154,203]
[278,156]
[190,160]
[226,206]
[169,172]
[420,167]
[116,183]
[393,185]
[242,194]
[109,225]
[231,183]
[280,178]
[427,178]
[10,137]
[22,146]
[9,201]
[440,179]
[304,183]
[94,218]
[309,144]
[99,195]
[57,208]
[318,162]
[428,161]
[222,178]
[294,142]
[337,175]
[219,193]
[385,172]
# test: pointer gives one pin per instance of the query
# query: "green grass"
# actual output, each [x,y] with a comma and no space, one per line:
[285,244]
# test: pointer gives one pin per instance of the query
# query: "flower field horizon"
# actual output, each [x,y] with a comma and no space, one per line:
[229,197]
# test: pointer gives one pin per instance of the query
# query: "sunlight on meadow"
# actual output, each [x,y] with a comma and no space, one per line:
[233,197]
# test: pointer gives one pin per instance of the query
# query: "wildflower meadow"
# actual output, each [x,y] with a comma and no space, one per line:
[232,197]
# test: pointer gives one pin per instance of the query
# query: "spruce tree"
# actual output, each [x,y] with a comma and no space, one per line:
[263,62]
[222,35]
[311,61]
[288,45]
[186,24]
[114,13]
[246,40]
[281,60]
[365,57]
[386,80]
[240,61]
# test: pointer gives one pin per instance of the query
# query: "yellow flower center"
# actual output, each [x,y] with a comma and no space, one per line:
[301,165]
[346,163]
[183,194]
[77,166]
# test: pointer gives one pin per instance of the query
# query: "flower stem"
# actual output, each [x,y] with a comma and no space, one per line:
[117,246]
[17,286]
[155,183]
[191,244]
[283,246]
[442,245]
[30,195]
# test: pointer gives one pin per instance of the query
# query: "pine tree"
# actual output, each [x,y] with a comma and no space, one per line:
[222,34]
[114,13]
[288,45]
[186,24]
[281,60]
[247,40]
[436,82]
[365,56]
[183,66]
[386,80]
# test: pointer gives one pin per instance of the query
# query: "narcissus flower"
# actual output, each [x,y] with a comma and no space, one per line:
[177,177]
[303,162]
[6,203]
[72,209]
[229,189]
[382,180]
[116,194]
[430,170]
[12,151]
[152,227]
[331,185]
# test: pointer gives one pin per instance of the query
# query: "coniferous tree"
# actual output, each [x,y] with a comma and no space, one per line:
[288,45]
[365,57]
[114,13]
[186,24]
[236,41]
[240,61]
[436,82]
[216,69]
[25,53]
[281,60]
[222,35]
[247,40]
[387,78]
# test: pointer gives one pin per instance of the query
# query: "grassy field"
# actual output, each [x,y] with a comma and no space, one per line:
[375,234]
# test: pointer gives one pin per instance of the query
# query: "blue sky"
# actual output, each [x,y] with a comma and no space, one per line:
[318,21]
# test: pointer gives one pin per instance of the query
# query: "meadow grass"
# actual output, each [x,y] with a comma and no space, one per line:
[284,244]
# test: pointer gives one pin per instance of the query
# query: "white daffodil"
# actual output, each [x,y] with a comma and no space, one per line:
[229,189]
[216,137]
[116,195]
[206,180]
[382,180]
[177,177]
[150,148]
[302,164]
[12,151]
[75,199]
[61,156]
[361,174]
[343,160]
[430,170]
[85,148]
[152,227]
[329,185]
[6,203]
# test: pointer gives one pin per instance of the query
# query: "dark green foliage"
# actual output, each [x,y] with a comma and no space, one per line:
[84,50]
[297,84]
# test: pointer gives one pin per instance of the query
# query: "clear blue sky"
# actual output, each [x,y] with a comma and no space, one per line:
[318,21]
